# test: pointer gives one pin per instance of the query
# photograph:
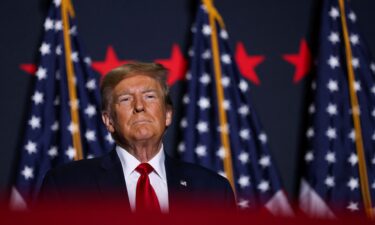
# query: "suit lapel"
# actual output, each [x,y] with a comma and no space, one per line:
[177,183]
[111,178]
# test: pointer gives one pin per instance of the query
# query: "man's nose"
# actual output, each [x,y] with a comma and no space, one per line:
[138,104]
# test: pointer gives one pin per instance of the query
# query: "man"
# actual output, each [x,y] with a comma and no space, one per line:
[136,110]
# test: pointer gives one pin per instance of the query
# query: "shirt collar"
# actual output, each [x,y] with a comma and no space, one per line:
[129,162]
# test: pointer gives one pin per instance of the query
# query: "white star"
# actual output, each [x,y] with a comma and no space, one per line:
[90,110]
[265,161]
[204,103]
[183,123]
[28,172]
[331,133]
[312,109]
[224,34]
[357,86]
[354,39]
[373,160]
[333,62]
[52,152]
[263,138]
[244,110]
[201,150]
[34,122]
[245,134]
[332,85]
[90,156]
[37,98]
[226,104]
[188,75]
[373,185]
[309,156]
[70,152]
[90,135]
[41,73]
[225,81]
[351,135]
[372,67]
[334,13]
[310,132]
[206,30]
[352,16]
[373,136]
[243,86]
[330,157]
[353,183]
[31,147]
[225,58]
[243,204]
[193,28]
[313,85]
[58,25]
[334,37]
[186,99]
[109,138]
[329,181]
[243,157]
[73,128]
[57,2]
[332,109]
[353,206]
[202,127]
[355,63]
[58,50]
[91,84]
[353,159]
[221,153]
[73,30]
[191,54]
[181,147]
[45,48]
[48,24]
[244,181]
[206,54]
[264,186]
[87,60]
[74,56]
[205,79]
[55,126]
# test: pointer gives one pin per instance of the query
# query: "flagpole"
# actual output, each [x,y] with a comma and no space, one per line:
[67,8]
[365,190]
[213,17]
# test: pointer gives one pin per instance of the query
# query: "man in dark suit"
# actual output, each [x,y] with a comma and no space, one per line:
[136,110]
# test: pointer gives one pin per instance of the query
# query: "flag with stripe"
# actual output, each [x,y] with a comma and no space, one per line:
[339,175]
[64,121]
[219,125]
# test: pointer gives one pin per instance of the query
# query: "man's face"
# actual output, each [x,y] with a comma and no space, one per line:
[139,113]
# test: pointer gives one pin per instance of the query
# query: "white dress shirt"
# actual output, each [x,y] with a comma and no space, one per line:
[158,177]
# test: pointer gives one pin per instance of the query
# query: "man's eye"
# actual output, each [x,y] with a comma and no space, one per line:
[150,96]
[124,99]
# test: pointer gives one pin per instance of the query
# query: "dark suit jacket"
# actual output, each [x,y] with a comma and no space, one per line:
[102,178]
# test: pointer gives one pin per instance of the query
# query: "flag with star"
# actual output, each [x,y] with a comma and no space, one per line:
[50,129]
[235,147]
[339,175]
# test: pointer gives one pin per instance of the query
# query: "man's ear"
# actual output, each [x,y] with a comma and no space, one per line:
[168,116]
[108,122]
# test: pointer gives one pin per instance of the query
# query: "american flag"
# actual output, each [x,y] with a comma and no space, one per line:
[255,178]
[49,128]
[331,183]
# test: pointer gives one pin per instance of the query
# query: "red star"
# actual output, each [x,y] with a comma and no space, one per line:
[28,68]
[176,64]
[111,61]
[301,60]
[246,63]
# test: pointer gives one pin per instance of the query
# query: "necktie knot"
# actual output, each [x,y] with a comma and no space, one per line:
[144,169]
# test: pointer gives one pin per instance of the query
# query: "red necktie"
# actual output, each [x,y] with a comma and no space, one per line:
[146,199]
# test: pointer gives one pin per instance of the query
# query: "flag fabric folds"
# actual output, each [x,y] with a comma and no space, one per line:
[251,172]
[339,159]
[50,128]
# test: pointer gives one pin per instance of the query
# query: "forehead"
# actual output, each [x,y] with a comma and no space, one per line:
[138,82]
